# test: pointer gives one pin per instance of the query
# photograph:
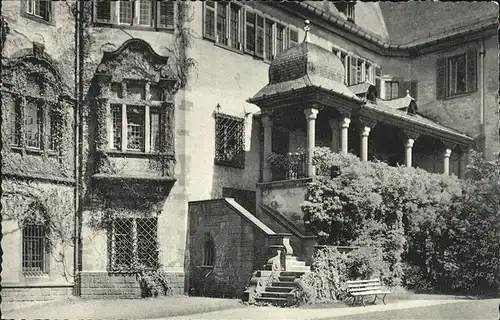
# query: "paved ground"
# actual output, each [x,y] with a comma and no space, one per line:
[121,308]
[415,307]
[405,310]
[464,310]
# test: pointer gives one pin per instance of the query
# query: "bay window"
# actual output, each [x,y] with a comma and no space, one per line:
[135,124]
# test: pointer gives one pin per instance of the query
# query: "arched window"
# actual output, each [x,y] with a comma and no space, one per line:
[208,251]
[33,119]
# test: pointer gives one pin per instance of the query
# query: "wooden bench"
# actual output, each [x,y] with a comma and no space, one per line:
[363,288]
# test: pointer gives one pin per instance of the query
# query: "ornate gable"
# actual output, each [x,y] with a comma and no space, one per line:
[135,59]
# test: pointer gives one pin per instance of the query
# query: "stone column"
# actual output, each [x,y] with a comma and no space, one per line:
[365,132]
[267,124]
[311,115]
[446,161]
[448,147]
[335,127]
[411,136]
[408,151]
[345,134]
[366,125]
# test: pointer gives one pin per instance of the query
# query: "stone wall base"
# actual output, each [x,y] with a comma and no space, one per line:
[17,294]
[104,285]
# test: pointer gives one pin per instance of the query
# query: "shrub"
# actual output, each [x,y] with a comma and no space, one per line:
[153,282]
[365,263]
[326,281]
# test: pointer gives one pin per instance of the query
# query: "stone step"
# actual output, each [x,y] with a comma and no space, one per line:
[263,273]
[274,301]
[270,294]
[287,278]
[292,258]
[279,289]
[296,274]
[302,270]
[295,263]
[284,284]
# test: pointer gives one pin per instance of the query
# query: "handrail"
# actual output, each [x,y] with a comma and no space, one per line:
[284,221]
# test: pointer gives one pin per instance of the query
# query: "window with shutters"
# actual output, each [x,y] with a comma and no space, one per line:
[357,70]
[391,90]
[221,23]
[229,140]
[269,40]
[40,10]
[235,23]
[249,32]
[456,75]
[243,29]
[139,13]
[280,38]
[378,80]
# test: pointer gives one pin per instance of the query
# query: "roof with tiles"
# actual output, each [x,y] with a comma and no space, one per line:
[412,22]
[394,112]
[305,65]
[416,21]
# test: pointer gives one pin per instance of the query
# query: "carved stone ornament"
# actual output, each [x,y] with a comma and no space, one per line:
[135,59]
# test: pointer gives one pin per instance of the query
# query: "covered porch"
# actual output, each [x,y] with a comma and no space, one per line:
[306,105]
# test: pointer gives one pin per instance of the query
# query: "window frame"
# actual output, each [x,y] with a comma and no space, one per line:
[266,50]
[49,135]
[443,77]
[155,15]
[346,8]
[208,252]
[147,105]
[221,146]
[131,245]
[392,82]
[450,78]
[43,251]
[31,15]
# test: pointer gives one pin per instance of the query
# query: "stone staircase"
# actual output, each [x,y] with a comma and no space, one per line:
[281,291]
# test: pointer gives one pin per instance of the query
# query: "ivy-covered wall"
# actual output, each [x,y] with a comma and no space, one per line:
[38,184]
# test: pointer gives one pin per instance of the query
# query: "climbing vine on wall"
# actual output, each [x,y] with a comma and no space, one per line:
[24,201]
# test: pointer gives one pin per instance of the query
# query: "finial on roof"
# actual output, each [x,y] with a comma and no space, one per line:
[306,29]
[407,92]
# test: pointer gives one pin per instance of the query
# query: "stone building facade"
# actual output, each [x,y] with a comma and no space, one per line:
[138,112]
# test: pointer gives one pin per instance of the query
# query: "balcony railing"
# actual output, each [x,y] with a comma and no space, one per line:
[289,166]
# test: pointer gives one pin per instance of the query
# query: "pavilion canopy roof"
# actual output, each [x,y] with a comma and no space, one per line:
[414,122]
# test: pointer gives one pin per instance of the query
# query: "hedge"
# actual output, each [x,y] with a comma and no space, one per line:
[435,232]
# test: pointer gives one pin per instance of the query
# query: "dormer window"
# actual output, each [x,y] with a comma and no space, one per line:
[346,8]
